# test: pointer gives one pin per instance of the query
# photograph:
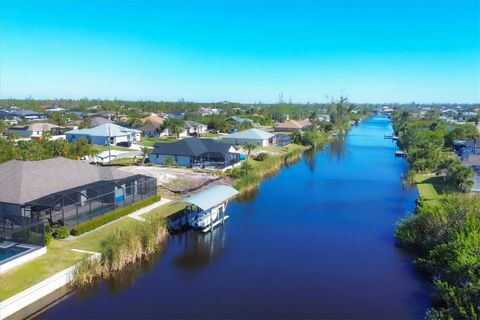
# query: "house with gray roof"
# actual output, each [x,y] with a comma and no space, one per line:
[35,130]
[251,136]
[66,191]
[30,115]
[8,116]
[191,152]
[105,134]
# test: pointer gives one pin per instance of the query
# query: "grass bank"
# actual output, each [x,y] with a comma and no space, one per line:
[122,248]
[60,256]
[431,189]
[248,180]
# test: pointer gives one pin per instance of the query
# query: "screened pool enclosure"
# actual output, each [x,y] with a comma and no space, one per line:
[74,206]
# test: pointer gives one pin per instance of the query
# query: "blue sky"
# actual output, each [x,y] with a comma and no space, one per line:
[246,51]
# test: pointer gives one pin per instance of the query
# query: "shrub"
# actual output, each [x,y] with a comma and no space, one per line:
[261,156]
[61,233]
[106,218]
[125,246]
[169,161]
[48,235]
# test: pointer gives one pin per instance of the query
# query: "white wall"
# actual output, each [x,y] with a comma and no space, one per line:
[261,143]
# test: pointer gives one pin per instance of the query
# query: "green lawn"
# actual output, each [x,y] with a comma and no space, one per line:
[59,255]
[210,135]
[149,142]
[431,188]
[105,148]
[126,161]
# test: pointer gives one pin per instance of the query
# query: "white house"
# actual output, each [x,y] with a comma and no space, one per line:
[193,128]
[34,130]
[251,136]
[105,134]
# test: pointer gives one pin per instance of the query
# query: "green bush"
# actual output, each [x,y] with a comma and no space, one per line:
[48,235]
[169,161]
[61,233]
[448,238]
[106,218]
[261,156]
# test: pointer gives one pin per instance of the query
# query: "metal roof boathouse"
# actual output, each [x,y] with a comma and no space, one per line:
[206,209]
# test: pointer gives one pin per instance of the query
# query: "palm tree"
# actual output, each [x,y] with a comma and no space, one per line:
[460,177]
[144,154]
[249,148]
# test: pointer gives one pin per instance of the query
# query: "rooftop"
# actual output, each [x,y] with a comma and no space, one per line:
[24,181]
[211,197]
[191,147]
[104,130]
[294,124]
[254,134]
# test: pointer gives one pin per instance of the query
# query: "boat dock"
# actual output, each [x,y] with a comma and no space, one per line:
[205,210]
[400,153]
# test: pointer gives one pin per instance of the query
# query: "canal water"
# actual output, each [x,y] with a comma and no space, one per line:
[315,241]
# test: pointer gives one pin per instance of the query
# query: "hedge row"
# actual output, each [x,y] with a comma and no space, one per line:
[106,218]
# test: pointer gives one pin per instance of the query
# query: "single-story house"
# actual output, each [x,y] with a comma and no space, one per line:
[176,115]
[292,125]
[240,120]
[251,136]
[66,191]
[35,130]
[151,129]
[30,115]
[104,134]
[192,152]
[8,116]
[97,121]
[153,119]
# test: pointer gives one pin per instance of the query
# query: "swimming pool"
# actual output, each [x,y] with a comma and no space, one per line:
[6,254]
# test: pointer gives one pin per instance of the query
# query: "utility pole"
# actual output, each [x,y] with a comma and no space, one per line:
[109,145]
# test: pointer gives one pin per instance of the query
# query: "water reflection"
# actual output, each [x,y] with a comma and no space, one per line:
[337,148]
[124,280]
[199,248]
[310,158]
[247,197]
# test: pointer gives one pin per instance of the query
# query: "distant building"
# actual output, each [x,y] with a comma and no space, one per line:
[210,111]
[97,121]
[55,109]
[153,118]
[30,115]
[195,129]
[177,115]
[8,117]
[292,125]
[35,130]
[151,130]
[106,134]
[240,120]
[251,136]
[191,152]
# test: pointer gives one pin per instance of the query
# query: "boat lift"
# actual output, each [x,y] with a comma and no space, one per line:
[206,209]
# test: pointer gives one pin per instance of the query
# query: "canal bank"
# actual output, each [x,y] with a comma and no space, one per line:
[316,240]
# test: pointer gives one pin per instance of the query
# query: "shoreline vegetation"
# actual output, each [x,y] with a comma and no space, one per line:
[445,228]
[135,242]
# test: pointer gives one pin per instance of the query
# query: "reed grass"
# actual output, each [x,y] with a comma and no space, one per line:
[122,248]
